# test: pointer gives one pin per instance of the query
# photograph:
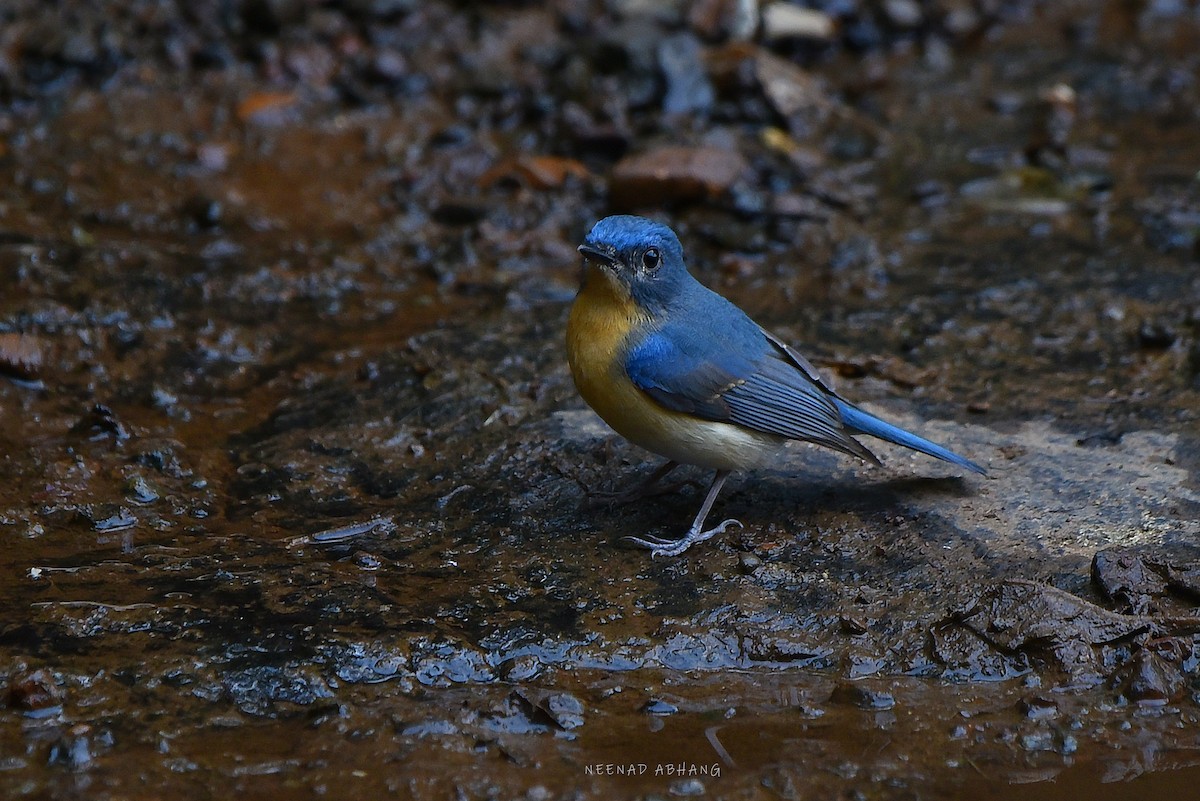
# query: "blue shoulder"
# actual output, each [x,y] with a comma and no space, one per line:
[700,350]
[654,360]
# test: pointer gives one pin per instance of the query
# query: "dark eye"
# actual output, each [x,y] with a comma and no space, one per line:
[651,258]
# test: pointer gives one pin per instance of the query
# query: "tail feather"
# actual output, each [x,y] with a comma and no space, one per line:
[859,422]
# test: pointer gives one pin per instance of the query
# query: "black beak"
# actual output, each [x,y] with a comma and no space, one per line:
[594,253]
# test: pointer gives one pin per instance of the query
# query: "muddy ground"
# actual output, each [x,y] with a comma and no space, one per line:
[298,499]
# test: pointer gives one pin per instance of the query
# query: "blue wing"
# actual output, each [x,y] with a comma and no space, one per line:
[734,373]
[716,363]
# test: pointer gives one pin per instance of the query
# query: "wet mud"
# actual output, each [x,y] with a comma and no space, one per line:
[298,499]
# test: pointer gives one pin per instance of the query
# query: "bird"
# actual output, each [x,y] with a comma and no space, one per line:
[681,371]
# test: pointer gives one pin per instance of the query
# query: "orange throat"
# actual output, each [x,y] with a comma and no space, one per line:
[602,318]
[598,331]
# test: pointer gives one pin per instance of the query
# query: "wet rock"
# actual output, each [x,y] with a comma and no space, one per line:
[519,714]
[74,749]
[214,156]
[782,648]
[796,95]
[428,728]
[99,422]
[139,491]
[1151,680]
[1155,335]
[1172,229]
[903,13]
[748,563]
[521,668]
[1042,740]
[164,459]
[1126,580]
[36,694]
[442,663]
[783,21]
[960,19]
[369,663]
[560,710]
[1183,579]
[672,174]
[714,19]
[20,356]
[688,87]
[863,697]
[565,710]
[107,516]
[687,788]
[657,706]
[1050,625]
[855,138]
[859,665]
[367,561]
[1038,707]
[257,690]
[967,655]
[731,69]
[389,66]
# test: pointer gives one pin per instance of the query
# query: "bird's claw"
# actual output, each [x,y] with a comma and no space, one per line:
[664,547]
[649,541]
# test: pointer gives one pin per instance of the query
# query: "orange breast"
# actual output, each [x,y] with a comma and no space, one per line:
[600,324]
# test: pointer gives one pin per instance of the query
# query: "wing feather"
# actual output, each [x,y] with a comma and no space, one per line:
[781,399]
[752,381]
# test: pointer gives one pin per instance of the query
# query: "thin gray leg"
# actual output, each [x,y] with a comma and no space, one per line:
[695,534]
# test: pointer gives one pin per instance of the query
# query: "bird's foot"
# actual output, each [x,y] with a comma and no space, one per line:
[663,547]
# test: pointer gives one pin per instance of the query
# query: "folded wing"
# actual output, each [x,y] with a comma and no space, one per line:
[745,379]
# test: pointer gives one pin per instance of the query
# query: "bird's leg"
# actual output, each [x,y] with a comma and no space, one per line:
[636,493]
[661,547]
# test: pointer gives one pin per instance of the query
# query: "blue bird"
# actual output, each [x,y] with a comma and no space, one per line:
[679,370]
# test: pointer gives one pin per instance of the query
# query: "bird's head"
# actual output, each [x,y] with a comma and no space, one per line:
[642,259]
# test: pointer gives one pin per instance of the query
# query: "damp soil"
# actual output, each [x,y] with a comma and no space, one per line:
[297,499]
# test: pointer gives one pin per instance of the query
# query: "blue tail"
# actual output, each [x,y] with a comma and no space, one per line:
[859,422]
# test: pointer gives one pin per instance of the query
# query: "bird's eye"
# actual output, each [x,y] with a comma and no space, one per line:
[651,258]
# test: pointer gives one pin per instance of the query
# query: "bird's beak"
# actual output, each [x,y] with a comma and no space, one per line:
[594,253]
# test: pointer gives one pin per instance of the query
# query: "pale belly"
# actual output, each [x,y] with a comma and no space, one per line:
[595,337]
[690,440]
